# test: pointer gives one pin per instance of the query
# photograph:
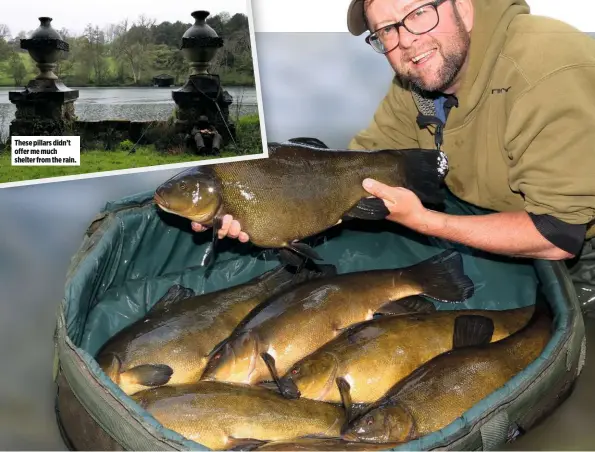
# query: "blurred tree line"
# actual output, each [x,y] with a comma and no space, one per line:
[132,53]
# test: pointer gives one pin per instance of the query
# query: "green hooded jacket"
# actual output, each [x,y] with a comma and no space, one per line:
[523,133]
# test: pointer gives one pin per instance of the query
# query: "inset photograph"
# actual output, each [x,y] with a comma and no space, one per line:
[123,91]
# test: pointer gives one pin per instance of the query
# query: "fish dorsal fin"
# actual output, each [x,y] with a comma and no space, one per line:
[472,330]
[309,141]
[174,294]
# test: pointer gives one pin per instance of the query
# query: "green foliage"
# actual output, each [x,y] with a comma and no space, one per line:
[126,54]
[126,145]
[249,139]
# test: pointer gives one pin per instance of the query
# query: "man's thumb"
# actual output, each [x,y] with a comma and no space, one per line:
[373,187]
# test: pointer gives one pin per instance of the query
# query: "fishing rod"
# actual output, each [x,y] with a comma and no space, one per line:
[214,101]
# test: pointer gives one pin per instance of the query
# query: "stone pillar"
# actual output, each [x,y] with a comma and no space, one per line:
[46,106]
[202,106]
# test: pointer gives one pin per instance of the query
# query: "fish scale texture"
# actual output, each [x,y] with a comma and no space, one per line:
[213,412]
[392,346]
[447,386]
[306,192]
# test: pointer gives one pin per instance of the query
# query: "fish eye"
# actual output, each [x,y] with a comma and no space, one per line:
[370,421]
[183,185]
[295,370]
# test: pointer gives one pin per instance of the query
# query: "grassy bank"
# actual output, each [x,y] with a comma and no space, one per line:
[249,142]
[228,77]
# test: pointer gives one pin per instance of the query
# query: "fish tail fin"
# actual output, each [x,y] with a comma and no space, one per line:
[425,170]
[443,278]
[150,375]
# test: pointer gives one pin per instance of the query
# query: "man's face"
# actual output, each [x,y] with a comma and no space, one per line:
[447,44]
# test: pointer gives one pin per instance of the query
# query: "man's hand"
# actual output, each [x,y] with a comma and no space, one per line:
[229,228]
[404,205]
[507,233]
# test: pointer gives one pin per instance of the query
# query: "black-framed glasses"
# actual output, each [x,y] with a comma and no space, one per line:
[421,20]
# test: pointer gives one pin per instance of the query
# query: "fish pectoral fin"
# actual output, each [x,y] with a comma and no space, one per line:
[472,330]
[210,253]
[286,386]
[174,294]
[369,209]
[291,259]
[148,375]
[304,250]
[415,304]
[345,392]
[243,443]
[113,369]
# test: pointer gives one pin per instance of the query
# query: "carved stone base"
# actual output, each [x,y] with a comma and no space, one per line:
[201,103]
[44,108]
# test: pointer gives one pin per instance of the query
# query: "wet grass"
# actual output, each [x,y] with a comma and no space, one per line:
[249,143]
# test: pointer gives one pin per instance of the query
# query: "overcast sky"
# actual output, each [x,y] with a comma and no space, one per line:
[76,14]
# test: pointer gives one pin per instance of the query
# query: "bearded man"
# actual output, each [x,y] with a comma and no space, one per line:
[510,98]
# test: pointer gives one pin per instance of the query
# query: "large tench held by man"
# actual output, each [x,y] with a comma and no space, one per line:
[222,416]
[297,192]
[171,343]
[299,321]
[444,388]
[394,346]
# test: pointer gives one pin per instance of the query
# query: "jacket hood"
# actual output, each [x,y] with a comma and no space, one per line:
[491,20]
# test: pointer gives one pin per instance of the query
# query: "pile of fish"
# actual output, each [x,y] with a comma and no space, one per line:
[309,359]
[303,357]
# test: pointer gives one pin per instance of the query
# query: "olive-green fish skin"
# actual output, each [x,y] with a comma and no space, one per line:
[182,334]
[394,346]
[299,321]
[444,388]
[298,191]
[220,415]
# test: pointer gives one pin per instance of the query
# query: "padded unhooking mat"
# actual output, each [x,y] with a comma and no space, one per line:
[132,254]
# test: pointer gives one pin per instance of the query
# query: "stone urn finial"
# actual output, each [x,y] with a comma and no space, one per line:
[44,46]
[200,43]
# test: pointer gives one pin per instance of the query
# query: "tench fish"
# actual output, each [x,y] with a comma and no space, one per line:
[171,343]
[441,390]
[392,346]
[302,319]
[297,192]
[323,444]
[223,416]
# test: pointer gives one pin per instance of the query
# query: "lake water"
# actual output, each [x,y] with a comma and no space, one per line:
[139,104]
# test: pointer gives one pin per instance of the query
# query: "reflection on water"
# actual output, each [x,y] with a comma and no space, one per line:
[138,104]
